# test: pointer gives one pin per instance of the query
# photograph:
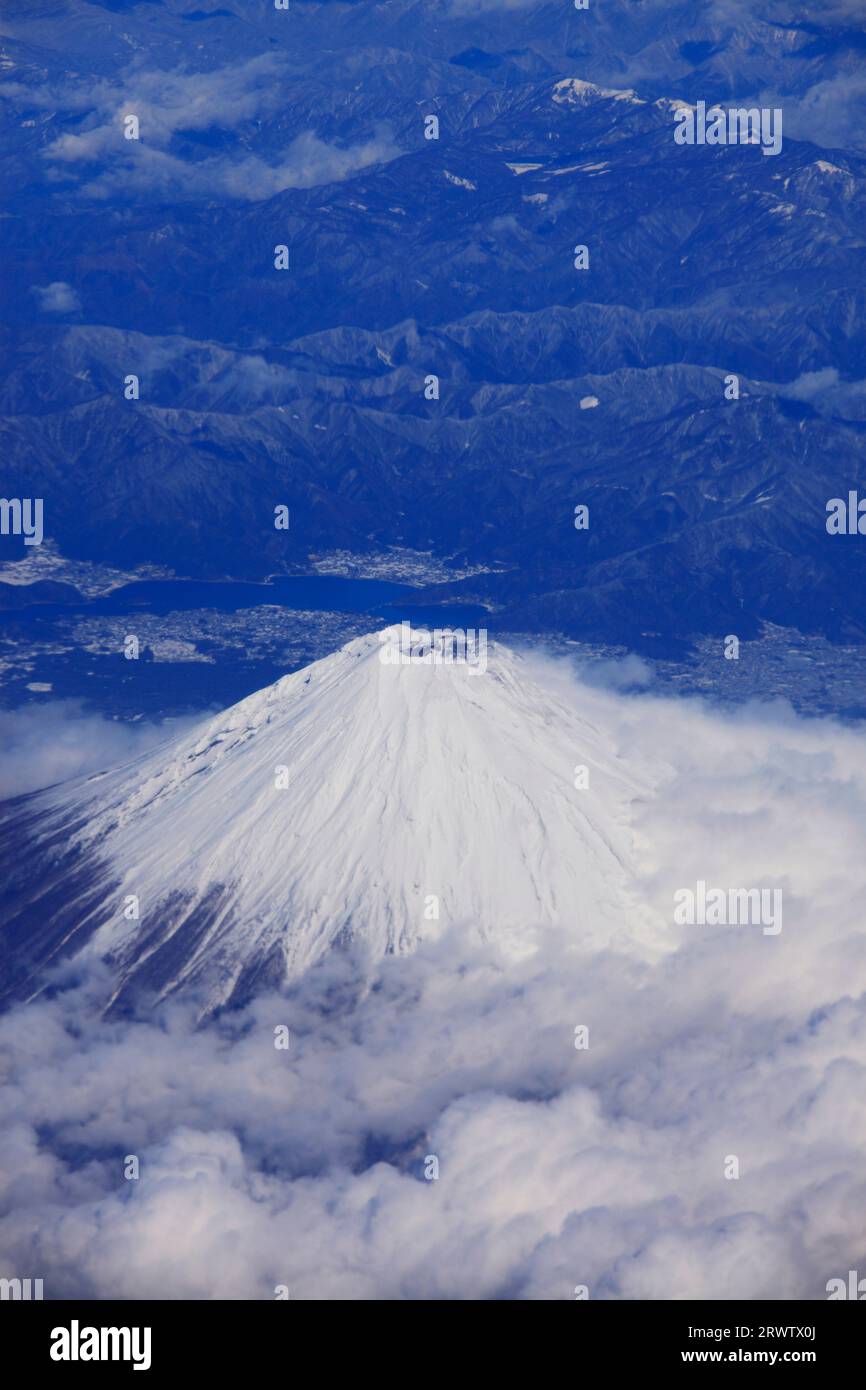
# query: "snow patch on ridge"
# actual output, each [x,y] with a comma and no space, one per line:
[573,91]
[459,182]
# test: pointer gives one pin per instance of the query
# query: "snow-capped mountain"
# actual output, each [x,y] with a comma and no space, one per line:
[353,801]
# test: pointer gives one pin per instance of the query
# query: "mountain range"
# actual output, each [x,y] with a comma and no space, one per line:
[454,257]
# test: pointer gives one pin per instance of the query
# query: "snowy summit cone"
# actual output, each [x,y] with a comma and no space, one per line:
[372,797]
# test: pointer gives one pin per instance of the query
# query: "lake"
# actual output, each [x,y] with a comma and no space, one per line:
[314,593]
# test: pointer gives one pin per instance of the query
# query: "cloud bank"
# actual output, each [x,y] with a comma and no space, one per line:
[308,161]
[558,1165]
[45,744]
[176,105]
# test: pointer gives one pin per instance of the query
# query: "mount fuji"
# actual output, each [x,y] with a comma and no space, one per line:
[351,802]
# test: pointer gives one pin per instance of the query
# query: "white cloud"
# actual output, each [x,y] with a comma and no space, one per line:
[57,298]
[602,1166]
[829,113]
[827,392]
[308,161]
[163,101]
[48,743]
[622,673]
[168,103]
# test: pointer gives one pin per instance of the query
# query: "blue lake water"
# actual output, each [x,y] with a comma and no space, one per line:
[313,593]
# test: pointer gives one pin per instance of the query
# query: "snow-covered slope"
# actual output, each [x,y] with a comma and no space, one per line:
[352,800]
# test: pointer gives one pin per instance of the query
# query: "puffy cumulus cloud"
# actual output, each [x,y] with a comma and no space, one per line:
[828,393]
[163,101]
[558,1166]
[172,104]
[811,385]
[830,113]
[44,744]
[57,298]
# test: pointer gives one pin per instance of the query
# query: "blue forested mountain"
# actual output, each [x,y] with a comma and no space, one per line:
[454,257]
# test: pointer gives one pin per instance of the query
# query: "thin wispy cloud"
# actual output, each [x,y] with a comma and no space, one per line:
[308,161]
